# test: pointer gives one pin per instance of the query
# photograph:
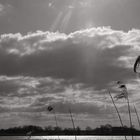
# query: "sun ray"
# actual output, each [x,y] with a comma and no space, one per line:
[84,12]
[68,16]
[65,21]
[56,22]
[85,9]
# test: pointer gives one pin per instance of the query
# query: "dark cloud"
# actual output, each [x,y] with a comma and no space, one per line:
[63,107]
[4,109]
[21,86]
[78,108]
[7,87]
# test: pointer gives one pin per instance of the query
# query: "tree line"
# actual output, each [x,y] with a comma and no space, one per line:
[49,130]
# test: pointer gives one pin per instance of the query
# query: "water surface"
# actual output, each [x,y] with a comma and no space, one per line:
[68,138]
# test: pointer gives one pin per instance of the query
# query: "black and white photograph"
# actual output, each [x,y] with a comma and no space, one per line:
[69,69]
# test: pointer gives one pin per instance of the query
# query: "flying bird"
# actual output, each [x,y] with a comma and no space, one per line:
[50,108]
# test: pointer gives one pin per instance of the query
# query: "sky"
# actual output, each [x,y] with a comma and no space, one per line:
[67,54]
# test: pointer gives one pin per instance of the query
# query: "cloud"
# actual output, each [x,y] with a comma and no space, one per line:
[5,8]
[33,94]
[87,56]
[1,8]
[27,96]
[21,92]
[39,92]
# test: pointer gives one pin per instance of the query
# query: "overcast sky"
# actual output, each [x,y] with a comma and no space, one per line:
[67,53]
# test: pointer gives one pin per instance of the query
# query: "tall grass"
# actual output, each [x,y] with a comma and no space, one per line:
[137,115]
[130,117]
[52,109]
[124,94]
[73,124]
[119,116]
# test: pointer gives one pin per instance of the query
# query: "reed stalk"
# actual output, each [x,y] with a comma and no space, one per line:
[56,122]
[73,124]
[130,117]
[119,116]
[137,115]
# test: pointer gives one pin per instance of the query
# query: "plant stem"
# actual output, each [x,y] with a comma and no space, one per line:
[72,122]
[137,115]
[130,118]
[116,110]
[56,122]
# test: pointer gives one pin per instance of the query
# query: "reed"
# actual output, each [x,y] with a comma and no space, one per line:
[130,117]
[124,94]
[51,109]
[72,120]
[119,116]
[137,115]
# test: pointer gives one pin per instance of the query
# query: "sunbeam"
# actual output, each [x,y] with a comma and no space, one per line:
[56,22]
[81,9]
[63,18]
[65,21]
[85,15]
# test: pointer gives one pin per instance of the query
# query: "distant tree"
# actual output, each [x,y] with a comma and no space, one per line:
[106,129]
[49,128]
[78,128]
[88,128]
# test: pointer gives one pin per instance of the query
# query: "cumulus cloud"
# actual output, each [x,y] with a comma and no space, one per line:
[86,56]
